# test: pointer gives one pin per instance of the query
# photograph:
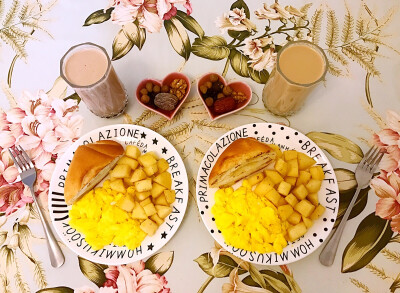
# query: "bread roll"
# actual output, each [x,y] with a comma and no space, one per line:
[240,159]
[90,164]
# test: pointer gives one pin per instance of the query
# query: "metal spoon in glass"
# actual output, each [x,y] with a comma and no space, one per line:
[364,173]
[27,172]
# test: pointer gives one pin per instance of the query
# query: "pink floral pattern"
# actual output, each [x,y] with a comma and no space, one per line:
[387,184]
[133,278]
[44,127]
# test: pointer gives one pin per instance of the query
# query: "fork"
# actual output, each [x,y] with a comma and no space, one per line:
[27,172]
[364,172]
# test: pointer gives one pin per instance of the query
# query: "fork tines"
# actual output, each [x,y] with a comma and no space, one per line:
[20,158]
[372,157]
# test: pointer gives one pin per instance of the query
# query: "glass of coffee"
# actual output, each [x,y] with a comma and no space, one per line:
[300,66]
[87,69]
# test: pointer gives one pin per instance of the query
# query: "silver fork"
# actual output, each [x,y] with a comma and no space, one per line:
[28,175]
[364,173]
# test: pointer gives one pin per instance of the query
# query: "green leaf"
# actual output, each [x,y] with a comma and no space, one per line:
[160,262]
[178,37]
[135,34]
[259,76]
[346,179]
[277,284]
[190,23]
[98,16]
[212,48]
[244,34]
[339,147]
[395,285]
[239,63]
[74,96]
[57,290]
[344,201]
[372,235]
[222,269]
[257,276]
[121,45]
[269,275]
[93,271]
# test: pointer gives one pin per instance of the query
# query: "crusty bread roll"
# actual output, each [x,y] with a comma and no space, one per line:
[240,159]
[90,164]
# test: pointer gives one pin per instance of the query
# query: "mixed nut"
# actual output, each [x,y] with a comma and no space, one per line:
[219,97]
[166,97]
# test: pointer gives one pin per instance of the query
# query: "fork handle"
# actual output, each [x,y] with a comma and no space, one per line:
[328,253]
[56,255]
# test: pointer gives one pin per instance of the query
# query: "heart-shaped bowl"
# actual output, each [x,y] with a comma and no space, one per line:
[166,81]
[236,86]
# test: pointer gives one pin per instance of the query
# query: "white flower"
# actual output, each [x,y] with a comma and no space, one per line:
[234,20]
[236,16]
[23,220]
[267,60]
[14,241]
[275,11]
[254,47]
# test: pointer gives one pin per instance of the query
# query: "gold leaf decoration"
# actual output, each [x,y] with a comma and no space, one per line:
[360,285]
[19,282]
[179,130]
[348,27]
[334,70]
[337,56]
[316,23]
[392,255]
[146,114]
[201,124]
[362,60]
[332,32]
[377,271]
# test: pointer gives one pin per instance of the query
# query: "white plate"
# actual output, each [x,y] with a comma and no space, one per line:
[286,138]
[146,140]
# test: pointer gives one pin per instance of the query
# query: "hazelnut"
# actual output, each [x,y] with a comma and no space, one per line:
[213,77]
[149,87]
[208,84]
[227,90]
[156,89]
[220,96]
[165,89]
[143,91]
[203,89]
[145,99]
[209,102]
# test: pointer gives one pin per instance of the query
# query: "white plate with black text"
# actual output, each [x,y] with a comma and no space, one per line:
[286,138]
[146,140]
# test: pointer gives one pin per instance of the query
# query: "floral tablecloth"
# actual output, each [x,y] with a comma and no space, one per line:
[356,107]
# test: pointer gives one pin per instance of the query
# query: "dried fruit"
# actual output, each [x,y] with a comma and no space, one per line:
[224,105]
[220,96]
[203,89]
[239,97]
[166,101]
[156,89]
[165,89]
[143,91]
[227,90]
[145,99]
[208,84]
[213,77]
[149,87]
[209,102]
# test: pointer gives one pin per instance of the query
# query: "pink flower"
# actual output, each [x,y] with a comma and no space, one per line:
[235,285]
[254,47]
[166,8]
[235,20]
[133,278]
[145,11]
[13,197]
[388,206]
[267,60]
[8,172]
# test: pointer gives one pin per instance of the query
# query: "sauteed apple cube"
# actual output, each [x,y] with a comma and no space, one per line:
[125,160]
[132,152]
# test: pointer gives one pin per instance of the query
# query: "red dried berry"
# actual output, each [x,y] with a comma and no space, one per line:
[224,105]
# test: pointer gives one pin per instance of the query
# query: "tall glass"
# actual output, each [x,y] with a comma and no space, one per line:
[300,66]
[88,70]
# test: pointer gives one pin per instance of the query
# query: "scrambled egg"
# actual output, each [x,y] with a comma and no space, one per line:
[249,221]
[102,222]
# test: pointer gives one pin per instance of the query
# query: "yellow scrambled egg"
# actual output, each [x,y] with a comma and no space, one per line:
[248,221]
[102,222]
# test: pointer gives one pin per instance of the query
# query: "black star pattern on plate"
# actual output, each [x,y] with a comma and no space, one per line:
[164,235]
[164,150]
[143,135]
[150,246]
[155,141]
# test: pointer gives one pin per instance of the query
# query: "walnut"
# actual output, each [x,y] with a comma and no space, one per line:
[166,101]
[178,88]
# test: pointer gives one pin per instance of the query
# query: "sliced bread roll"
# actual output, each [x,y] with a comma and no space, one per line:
[90,164]
[240,159]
